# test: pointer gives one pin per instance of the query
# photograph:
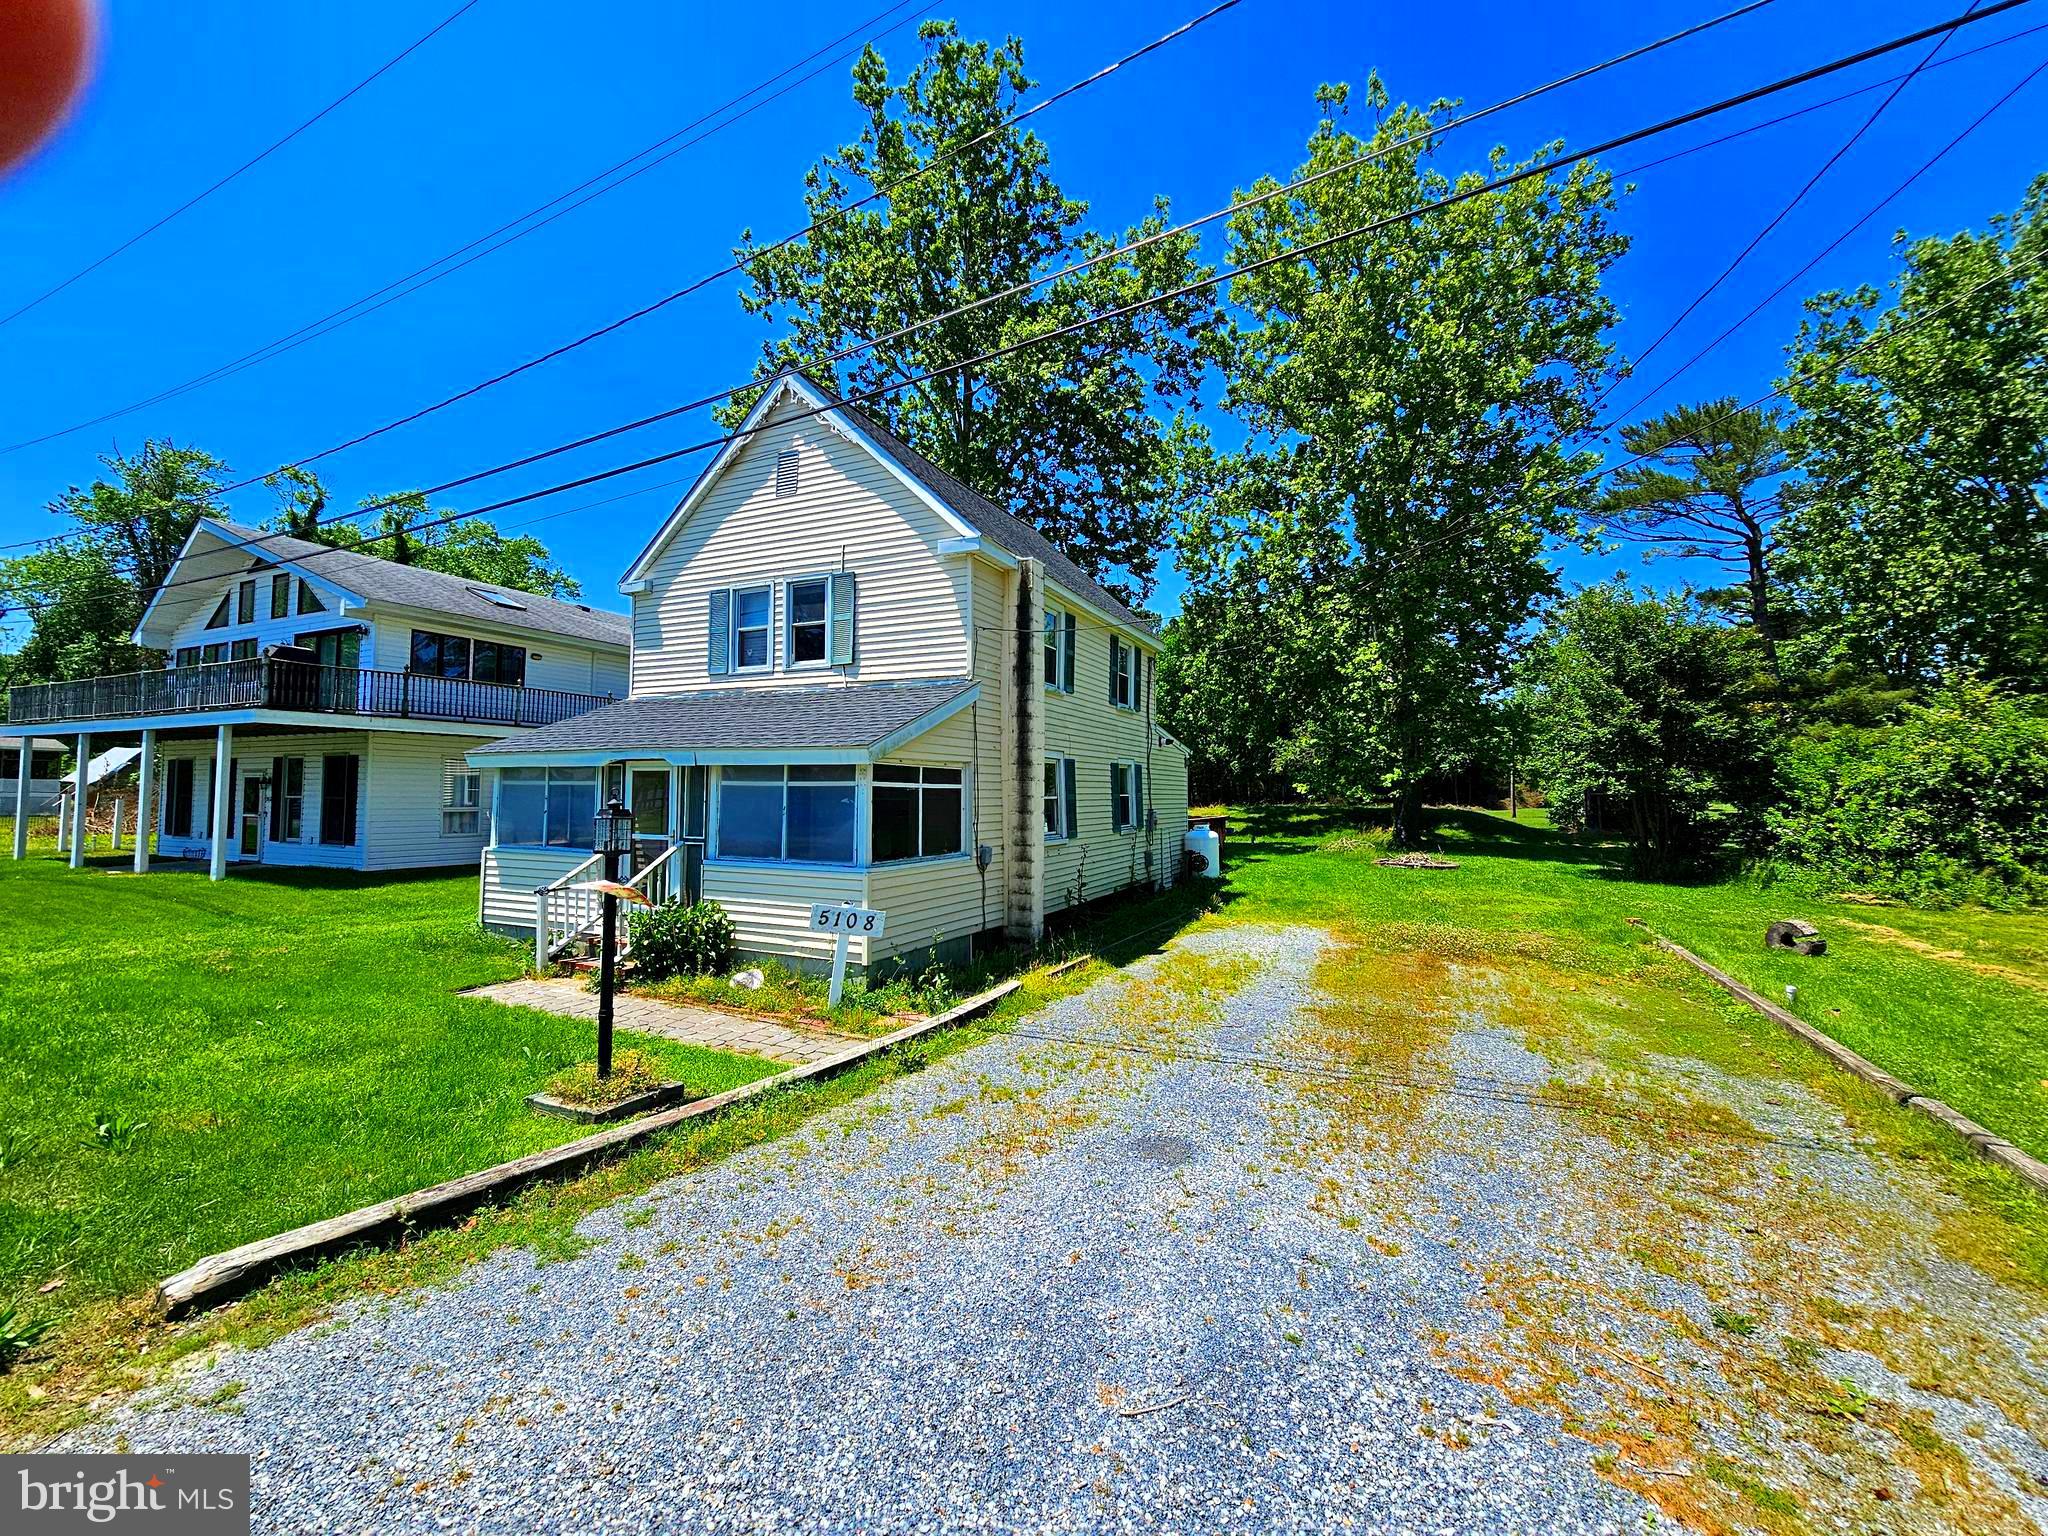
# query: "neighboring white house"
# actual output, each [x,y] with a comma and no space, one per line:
[45,787]
[854,680]
[341,691]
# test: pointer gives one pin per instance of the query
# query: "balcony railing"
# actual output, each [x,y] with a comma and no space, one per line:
[305,687]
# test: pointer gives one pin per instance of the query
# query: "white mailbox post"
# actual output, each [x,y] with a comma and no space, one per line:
[843,922]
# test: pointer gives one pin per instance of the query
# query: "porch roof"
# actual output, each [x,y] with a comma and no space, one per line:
[853,723]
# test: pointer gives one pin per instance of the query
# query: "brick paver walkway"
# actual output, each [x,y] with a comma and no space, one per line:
[677,1021]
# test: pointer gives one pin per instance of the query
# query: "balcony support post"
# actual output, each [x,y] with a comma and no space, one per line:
[78,801]
[145,802]
[223,801]
[28,743]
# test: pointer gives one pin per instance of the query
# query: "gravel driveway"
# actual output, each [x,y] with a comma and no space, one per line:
[1177,1257]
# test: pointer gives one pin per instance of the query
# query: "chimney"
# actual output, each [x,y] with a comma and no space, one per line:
[1024,746]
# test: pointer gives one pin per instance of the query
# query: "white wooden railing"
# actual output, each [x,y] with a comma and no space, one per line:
[562,914]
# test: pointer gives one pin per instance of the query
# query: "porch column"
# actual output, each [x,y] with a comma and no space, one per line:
[145,803]
[223,801]
[21,797]
[78,802]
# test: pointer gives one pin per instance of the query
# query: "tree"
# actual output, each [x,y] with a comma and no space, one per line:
[1920,547]
[1062,433]
[1707,486]
[409,532]
[1407,394]
[86,595]
[1642,700]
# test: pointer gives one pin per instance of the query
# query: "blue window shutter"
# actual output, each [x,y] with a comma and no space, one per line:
[1067,657]
[1073,797]
[720,642]
[843,600]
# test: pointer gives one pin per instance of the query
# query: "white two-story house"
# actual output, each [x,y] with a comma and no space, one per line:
[854,679]
[340,692]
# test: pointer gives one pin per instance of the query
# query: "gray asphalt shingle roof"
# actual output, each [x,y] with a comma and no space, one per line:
[415,587]
[741,719]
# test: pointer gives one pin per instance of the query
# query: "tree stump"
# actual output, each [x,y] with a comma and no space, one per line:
[1799,937]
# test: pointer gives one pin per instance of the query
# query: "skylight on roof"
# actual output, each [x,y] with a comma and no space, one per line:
[499,598]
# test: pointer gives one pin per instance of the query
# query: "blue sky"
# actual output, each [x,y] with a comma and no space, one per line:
[510,106]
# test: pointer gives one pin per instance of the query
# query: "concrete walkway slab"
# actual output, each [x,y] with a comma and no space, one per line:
[708,1027]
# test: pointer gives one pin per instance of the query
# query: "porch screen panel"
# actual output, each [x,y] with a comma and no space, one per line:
[572,807]
[750,813]
[821,815]
[522,806]
[340,776]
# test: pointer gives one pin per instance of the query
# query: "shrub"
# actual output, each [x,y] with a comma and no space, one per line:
[1950,804]
[682,941]
[632,1072]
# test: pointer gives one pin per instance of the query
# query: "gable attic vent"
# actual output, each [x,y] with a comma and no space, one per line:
[785,472]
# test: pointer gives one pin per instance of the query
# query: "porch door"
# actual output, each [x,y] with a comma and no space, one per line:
[251,840]
[647,795]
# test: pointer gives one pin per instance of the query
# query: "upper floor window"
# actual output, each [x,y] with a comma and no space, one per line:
[220,619]
[188,655]
[309,600]
[245,603]
[485,661]
[750,627]
[810,621]
[1122,689]
[243,650]
[1059,649]
[280,596]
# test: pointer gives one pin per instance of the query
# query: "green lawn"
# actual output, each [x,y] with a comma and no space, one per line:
[1955,1003]
[262,1052]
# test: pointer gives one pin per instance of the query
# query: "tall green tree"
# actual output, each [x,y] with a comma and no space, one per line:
[1920,548]
[1643,701]
[1068,434]
[1409,395]
[1710,484]
[410,532]
[85,595]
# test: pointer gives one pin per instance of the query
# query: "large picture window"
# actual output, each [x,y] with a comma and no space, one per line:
[918,813]
[800,814]
[547,807]
[485,661]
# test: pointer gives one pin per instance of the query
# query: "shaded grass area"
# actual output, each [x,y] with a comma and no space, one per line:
[1955,1003]
[188,1065]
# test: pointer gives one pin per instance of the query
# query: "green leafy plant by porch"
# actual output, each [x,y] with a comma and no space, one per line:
[632,1072]
[696,940]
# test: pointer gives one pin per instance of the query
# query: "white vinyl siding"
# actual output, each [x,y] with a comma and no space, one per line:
[849,513]
[936,901]
[568,665]
[405,780]
[252,756]
[263,631]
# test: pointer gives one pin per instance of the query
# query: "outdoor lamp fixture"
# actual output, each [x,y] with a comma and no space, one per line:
[614,838]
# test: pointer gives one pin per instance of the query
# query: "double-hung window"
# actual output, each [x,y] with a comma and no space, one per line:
[810,621]
[919,813]
[751,625]
[802,814]
[547,807]
[1122,689]
[1059,807]
[462,799]
[1127,796]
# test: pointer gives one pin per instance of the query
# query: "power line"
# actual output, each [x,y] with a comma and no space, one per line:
[752,256]
[1294,253]
[1429,134]
[662,150]
[1819,256]
[248,164]
[1811,182]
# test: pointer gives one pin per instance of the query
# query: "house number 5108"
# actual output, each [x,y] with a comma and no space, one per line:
[858,920]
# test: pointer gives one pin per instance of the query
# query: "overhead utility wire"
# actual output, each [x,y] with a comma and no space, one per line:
[1822,254]
[449,265]
[754,255]
[1293,253]
[246,165]
[1071,269]
[1811,182]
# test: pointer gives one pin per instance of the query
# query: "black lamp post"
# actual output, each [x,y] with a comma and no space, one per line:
[614,837]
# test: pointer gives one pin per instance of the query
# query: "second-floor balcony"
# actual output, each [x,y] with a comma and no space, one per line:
[263,682]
